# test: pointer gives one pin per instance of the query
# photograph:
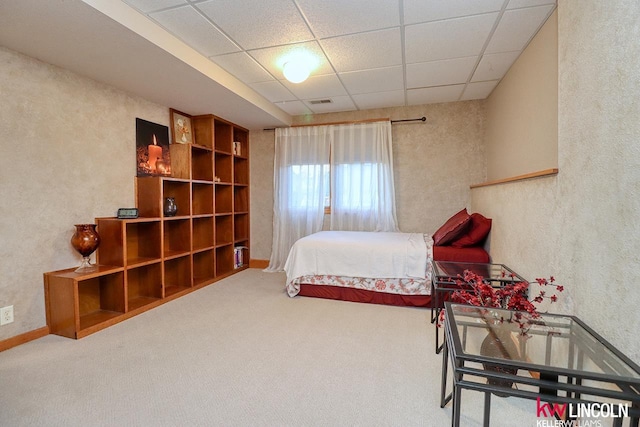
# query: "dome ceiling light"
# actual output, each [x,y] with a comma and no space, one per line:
[297,64]
[296,71]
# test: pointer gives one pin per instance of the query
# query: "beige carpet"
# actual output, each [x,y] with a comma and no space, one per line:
[242,353]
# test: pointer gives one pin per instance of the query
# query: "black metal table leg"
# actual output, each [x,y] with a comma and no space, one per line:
[487,409]
[443,388]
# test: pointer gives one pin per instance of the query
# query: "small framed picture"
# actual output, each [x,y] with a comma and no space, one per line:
[181,131]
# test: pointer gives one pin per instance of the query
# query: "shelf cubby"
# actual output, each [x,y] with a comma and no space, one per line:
[144,285]
[240,170]
[223,136]
[203,130]
[224,260]
[240,139]
[224,230]
[240,227]
[177,275]
[240,199]
[202,198]
[201,164]
[100,299]
[180,191]
[224,199]
[224,167]
[202,233]
[203,267]
[177,237]
[143,244]
[78,304]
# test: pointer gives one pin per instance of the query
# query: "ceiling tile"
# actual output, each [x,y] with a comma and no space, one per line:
[330,18]
[255,24]
[295,108]
[375,80]
[274,91]
[432,95]
[273,58]
[494,66]
[453,38]
[478,90]
[368,101]
[514,4]
[517,27]
[147,6]
[186,23]
[425,11]
[375,49]
[440,73]
[243,67]
[339,103]
[318,87]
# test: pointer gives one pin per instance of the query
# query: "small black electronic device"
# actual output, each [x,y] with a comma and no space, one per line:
[127,213]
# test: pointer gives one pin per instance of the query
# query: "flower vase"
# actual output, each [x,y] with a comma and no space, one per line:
[85,240]
[499,344]
[170,207]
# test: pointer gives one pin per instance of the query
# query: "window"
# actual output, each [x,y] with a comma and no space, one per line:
[307,181]
[355,183]
[343,169]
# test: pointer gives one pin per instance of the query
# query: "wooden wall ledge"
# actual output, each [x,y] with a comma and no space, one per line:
[539,174]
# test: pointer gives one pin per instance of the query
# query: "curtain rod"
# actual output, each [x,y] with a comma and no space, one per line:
[421,119]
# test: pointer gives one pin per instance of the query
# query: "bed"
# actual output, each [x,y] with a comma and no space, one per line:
[379,267]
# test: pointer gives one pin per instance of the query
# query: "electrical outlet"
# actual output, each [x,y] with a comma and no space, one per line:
[6,315]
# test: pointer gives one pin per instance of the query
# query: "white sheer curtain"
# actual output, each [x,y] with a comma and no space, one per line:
[362,187]
[300,179]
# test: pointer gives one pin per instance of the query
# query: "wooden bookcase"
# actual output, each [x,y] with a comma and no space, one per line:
[147,261]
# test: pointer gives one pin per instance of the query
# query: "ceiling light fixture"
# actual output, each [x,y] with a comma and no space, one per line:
[296,71]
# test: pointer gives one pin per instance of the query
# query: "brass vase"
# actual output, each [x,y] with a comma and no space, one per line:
[85,240]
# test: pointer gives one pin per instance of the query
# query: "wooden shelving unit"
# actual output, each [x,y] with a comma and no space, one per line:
[147,261]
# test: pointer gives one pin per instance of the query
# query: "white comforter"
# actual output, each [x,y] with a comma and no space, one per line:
[358,254]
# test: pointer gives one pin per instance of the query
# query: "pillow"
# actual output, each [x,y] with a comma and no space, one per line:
[452,229]
[475,234]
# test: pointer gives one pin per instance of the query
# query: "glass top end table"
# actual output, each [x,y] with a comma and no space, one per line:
[556,358]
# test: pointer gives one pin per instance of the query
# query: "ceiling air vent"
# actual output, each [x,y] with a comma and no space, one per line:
[320,101]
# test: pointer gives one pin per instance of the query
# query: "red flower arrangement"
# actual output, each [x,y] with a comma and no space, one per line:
[474,290]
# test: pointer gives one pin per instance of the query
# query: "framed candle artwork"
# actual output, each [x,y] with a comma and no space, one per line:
[181,131]
[152,149]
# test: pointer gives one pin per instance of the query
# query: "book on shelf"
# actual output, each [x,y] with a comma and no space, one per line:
[238,256]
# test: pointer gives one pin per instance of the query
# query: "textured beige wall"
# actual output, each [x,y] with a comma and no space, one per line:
[582,225]
[67,155]
[516,143]
[434,164]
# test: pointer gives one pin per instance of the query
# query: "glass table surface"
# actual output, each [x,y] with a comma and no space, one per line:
[555,342]
[446,270]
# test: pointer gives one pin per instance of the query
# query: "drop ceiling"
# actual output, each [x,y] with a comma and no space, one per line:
[369,53]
